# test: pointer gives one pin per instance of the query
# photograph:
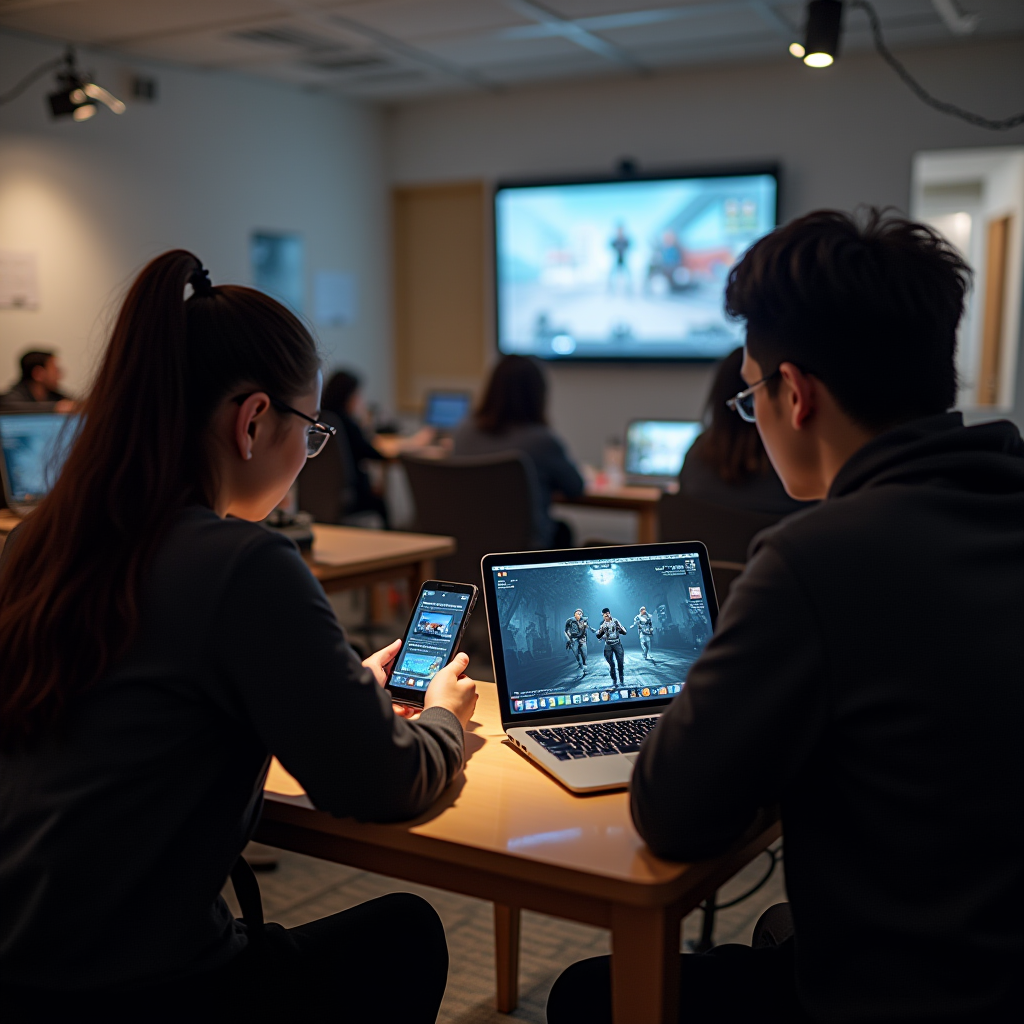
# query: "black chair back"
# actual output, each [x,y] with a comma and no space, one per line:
[325,491]
[727,532]
[485,502]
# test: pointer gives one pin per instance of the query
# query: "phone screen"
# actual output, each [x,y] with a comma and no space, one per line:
[433,630]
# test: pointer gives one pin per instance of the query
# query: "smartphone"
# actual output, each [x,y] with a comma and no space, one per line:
[431,640]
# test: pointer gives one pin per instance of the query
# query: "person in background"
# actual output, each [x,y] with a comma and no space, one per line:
[342,397]
[513,417]
[727,464]
[41,375]
[158,646]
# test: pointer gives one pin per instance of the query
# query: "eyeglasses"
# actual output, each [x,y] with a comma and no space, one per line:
[317,435]
[743,403]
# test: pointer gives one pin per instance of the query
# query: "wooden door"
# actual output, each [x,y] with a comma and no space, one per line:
[441,269]
[996,253]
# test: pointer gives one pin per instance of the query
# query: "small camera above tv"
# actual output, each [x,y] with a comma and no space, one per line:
[630,268]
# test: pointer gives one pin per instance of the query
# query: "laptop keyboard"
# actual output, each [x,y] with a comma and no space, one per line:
[598,739]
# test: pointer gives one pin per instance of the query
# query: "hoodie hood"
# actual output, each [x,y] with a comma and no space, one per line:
[942,452]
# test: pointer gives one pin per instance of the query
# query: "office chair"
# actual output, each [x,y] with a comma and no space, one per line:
[727,532]
[485,502]
[325,491]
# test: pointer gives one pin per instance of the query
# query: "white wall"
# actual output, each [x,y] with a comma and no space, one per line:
[215,158]
[843,136]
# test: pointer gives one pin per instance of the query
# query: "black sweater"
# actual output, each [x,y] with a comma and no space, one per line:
[866,674]
[115,839]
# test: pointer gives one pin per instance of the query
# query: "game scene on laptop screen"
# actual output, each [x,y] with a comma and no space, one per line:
[562,649]
[624,269]
[35,446]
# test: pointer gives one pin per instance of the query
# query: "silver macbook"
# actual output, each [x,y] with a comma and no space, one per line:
[590,646]
[33,447]
[655,449]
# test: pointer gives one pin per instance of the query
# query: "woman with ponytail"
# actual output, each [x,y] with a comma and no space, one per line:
[157,646]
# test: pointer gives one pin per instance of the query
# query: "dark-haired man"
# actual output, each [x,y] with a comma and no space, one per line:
[894,750]
[40,376]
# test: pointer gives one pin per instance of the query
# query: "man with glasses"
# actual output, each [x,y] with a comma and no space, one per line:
[892,746]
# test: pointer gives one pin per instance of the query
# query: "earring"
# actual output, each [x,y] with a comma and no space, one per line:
[248,455]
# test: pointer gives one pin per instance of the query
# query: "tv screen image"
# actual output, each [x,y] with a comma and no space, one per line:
[625,269]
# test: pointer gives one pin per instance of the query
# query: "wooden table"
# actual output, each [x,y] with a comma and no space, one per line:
[506,832]
[641,500]
[346,558]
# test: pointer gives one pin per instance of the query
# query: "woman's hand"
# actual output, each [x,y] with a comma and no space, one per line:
[451,688]
[379,663]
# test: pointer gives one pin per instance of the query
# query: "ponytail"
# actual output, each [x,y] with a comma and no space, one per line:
[70,579]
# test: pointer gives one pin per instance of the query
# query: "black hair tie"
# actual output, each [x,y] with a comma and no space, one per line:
[200,281]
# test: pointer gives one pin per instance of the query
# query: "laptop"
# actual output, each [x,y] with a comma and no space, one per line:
[580,689]
[33,447]
[446,410]
[655,449]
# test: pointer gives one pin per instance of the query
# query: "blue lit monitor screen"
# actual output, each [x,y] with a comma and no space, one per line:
[624,270]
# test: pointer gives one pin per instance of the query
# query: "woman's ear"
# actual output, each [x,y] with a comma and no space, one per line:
[251,417]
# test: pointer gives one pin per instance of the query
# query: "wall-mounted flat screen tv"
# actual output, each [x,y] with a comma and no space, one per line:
[625,269]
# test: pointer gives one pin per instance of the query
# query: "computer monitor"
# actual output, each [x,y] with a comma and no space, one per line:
[656,448]
[446,409]
[34,447]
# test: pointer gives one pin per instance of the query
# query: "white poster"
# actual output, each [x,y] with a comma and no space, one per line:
[19,280]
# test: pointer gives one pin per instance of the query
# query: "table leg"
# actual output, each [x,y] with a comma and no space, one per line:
[424,571]
[506,955]
[647,526]
[645,965]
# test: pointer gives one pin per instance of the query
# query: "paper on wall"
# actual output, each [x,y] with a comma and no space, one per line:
[19,280]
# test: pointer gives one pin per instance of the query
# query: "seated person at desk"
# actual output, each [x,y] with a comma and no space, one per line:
[513,417]
[159,645]
[727,464]
[40,376]
[865,674]
[342,398]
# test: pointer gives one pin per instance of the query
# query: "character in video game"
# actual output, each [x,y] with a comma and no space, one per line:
[645,623]
[620,245]
[611,632]
[576,638]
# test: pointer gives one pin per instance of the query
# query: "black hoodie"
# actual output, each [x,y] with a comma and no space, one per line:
[866,674]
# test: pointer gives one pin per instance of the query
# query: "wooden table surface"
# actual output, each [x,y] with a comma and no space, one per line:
[507,832]
[346,557]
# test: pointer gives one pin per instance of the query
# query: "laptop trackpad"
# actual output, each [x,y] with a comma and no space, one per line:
[631,758]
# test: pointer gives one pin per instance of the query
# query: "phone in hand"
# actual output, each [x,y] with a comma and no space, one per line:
[436,627]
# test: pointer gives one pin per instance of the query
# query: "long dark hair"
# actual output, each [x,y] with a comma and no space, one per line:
[70,582]
[338,390]
[516,396]
[730,445]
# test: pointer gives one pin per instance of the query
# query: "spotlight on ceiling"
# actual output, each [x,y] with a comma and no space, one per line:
[76,93]
[821,37]
[797,49]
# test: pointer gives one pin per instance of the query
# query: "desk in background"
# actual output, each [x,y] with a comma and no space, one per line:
[641,500]
[347,558]
[506,832]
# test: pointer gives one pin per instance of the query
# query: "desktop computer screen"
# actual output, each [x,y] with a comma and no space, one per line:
[631,269]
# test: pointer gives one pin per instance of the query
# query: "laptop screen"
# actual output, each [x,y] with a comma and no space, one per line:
[575,634]
[35,446]
[446,409]
[658,447]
